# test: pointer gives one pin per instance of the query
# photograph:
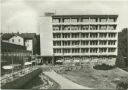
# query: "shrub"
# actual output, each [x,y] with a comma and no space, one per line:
[122,85]
[103,67]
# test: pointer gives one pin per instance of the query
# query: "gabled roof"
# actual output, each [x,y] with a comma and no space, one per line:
[7,36]
[28,35]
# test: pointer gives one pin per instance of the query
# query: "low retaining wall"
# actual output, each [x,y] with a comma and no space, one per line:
[20,82]
[55,84]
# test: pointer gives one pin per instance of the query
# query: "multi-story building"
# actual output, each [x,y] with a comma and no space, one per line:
[13,54]
[84,37]
[25,39]
[13,38]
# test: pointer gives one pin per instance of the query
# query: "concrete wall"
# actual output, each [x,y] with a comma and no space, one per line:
[20,82]
[46,43]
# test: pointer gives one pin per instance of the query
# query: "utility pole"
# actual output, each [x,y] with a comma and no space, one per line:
[127,48]
[53,59]
[63,54]
[12,62]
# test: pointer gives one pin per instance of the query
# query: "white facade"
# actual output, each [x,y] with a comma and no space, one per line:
[46,38]
[29,45]
[93,37]
[16,40]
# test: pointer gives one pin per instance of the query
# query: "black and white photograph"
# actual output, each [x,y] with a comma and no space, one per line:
[64,44]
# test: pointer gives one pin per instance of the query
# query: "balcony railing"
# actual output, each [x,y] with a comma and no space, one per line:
[87,46]
[82,23]
[84,31]
[83,54]
[98,38]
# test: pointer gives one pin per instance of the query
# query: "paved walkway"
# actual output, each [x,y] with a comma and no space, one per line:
[64,82]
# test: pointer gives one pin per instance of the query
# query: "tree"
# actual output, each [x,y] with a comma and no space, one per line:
[122,47]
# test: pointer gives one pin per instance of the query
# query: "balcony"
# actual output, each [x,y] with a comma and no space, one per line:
[87,46]
[83,23]
[84,54]
[98,38]
[80,31]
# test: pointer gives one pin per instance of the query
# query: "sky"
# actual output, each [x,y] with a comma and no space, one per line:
[24,15]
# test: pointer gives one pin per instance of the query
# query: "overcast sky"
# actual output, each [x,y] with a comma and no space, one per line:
[23,15]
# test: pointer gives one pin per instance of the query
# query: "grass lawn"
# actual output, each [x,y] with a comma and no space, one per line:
[99,79]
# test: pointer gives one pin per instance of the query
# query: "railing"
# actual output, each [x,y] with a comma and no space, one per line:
[82,23]
[79,30]
[86,46]
[15,75]
[83,54]
[98,38]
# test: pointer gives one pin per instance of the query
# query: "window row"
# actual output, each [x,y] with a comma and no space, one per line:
[85,50]
[67,20]
[85,27]
[84,35]
[73,43]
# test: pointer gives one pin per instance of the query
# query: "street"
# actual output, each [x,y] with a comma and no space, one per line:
[64,83]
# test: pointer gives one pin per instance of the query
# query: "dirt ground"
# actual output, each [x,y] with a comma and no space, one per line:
[64,82]
[99,79]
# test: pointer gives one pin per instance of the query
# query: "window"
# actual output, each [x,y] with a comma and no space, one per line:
[12,40]
[93,35]
[111,50]
[85,19]
[73,20]
[84,42]
[93,50]
[66,43]
[111,20]
[102,35]
[103,27]
[93,42]
[93,20]
[103,20]
[111,27]
[56,43]
[84,50]
[93,27]
[75,35]
[56,28]
[55,20]
[66,28]
[74,27]
[85,27]
[112,35]
[75,42]
[56,35]
[66,20]
[57,50]
[66,50]
[75,50]
[111,42]
[101,50]
[84,35]
[102,42]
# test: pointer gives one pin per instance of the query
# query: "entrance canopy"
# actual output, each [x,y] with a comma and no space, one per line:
[27,63]
[10,66]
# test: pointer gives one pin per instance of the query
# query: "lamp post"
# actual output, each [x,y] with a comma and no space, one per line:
[12,62]
[127,48]
[63,54]
[53,59]
[126,62]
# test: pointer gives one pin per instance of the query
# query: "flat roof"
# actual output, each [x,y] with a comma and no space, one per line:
[85,16]
[84,13]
